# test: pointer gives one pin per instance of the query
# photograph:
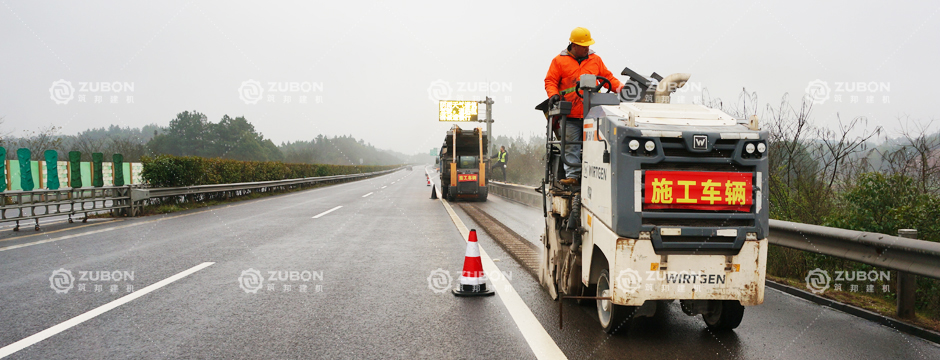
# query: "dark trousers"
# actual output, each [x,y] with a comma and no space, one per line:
[501,167]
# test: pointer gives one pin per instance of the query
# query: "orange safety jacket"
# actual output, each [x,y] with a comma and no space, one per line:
[565,72]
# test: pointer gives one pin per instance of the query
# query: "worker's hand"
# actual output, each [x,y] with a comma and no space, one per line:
[617,89]
[555,98]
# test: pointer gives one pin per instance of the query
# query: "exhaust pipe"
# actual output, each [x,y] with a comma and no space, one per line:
[669,85]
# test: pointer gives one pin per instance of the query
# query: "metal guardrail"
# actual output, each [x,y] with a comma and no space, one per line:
[32,205]
[904,254]
[35,204]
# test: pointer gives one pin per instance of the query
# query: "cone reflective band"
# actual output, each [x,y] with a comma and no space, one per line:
[472,282]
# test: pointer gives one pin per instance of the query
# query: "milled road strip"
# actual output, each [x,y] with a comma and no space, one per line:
[91,314]
[539,341]
[326,212]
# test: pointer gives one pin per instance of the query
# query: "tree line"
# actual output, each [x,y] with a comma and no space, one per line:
[190,133]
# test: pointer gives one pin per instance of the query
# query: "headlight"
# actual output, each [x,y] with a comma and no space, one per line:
[650,145]
[749,148]
[761,148]
[634,145]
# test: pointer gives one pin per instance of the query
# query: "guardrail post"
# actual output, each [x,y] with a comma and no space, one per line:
[907,283]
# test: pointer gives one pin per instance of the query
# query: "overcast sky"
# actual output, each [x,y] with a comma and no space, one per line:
[375,69]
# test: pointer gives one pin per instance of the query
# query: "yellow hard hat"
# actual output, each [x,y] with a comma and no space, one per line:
[581,36]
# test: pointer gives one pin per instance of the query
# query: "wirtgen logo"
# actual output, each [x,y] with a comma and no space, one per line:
[61,281]
[817,280]
[439,281]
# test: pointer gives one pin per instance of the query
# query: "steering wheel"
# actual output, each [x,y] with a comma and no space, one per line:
[601,79]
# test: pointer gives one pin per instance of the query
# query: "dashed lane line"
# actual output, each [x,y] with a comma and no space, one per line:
[45,334]
[326,212]
[366,195]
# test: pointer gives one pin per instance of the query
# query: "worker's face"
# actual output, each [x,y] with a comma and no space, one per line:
[579,51]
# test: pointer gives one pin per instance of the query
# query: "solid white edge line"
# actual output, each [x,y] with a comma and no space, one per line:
[45,334]
[326,212]
[535,335]
[366,194]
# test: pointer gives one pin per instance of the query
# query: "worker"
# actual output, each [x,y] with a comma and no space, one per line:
[500,163]
[566,68]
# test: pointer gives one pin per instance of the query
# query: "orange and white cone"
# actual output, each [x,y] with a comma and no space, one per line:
[472,282]
[428,178]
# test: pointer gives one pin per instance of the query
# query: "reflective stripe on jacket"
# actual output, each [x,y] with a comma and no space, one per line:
[565,71]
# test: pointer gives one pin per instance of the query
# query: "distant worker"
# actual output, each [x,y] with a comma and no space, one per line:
[500,163]
[576,60]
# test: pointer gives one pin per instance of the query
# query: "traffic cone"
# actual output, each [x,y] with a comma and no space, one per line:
[428,178]
[471,281]
[433,193]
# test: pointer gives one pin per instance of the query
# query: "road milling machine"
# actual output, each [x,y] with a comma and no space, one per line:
[672,205]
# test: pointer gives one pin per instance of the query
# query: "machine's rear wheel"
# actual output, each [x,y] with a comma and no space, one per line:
[726,315]
[613,317]
[547,270]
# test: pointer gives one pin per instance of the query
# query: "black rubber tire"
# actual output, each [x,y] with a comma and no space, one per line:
[614,318]
[727,317]
[443,191]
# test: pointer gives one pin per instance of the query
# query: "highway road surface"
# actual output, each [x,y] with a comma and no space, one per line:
[358,270]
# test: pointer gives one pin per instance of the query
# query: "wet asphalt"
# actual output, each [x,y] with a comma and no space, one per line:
[376,286]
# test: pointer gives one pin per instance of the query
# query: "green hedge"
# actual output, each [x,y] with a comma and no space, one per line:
[172,171]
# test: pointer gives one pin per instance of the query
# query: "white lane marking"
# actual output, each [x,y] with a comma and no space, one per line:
[326,212]
[539,341]
[384,187]
[366,194]
[45,334]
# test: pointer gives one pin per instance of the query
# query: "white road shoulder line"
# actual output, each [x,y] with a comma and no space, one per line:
[366,194]
[326,212]
[539,341]
[91,314]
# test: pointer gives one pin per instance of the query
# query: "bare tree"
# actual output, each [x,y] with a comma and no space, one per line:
[40,140]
